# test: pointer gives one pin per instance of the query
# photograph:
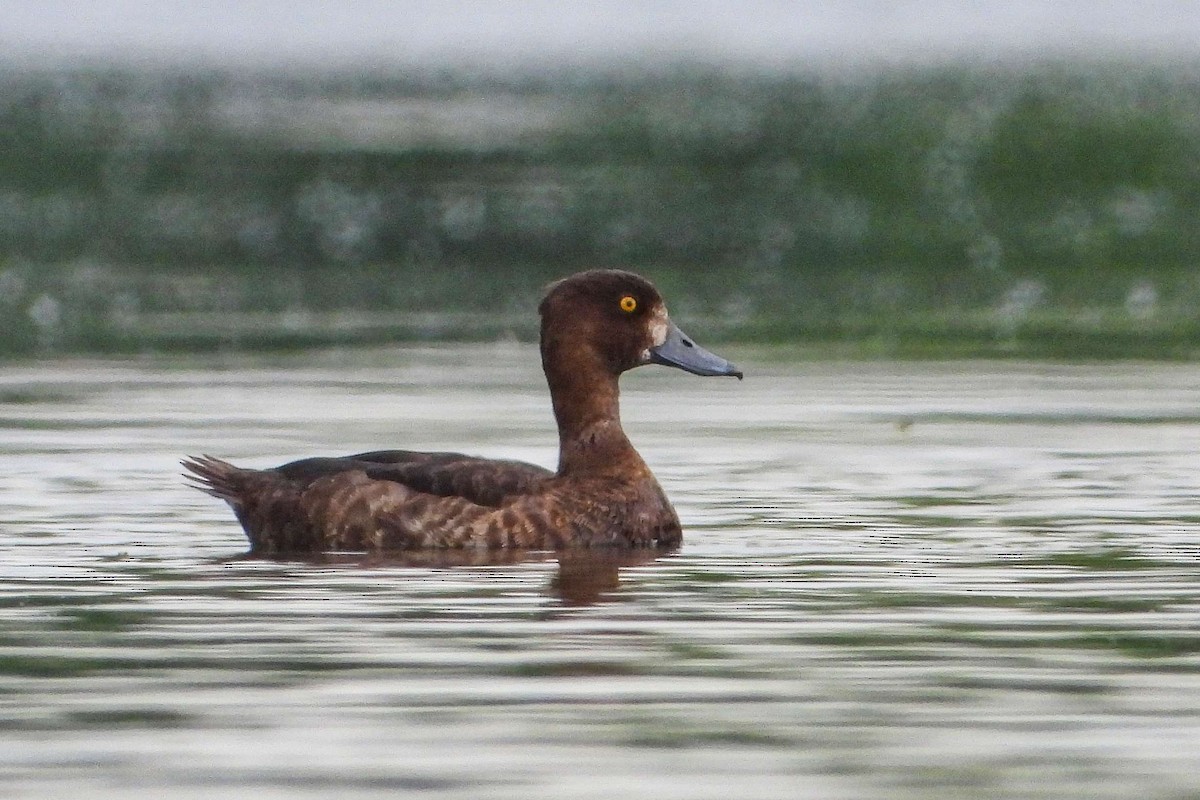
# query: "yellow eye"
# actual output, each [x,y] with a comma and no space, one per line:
[628,304]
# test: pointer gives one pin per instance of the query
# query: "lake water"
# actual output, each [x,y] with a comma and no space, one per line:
[901,580]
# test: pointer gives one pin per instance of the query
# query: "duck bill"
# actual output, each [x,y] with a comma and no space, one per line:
[678,350]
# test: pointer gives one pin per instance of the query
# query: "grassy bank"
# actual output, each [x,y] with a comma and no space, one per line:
[1048,210]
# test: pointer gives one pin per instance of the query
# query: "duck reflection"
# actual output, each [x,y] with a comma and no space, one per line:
[587,577]
[584,577]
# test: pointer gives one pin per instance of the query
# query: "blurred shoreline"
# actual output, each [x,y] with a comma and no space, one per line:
[1036,209]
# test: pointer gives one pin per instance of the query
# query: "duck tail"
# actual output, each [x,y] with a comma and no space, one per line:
[264,502]
[213,476]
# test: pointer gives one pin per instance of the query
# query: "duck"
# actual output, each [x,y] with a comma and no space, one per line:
[595,326]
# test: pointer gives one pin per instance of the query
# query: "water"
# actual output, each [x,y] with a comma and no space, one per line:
[900,580]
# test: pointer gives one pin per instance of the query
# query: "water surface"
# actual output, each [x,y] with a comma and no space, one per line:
[901,580]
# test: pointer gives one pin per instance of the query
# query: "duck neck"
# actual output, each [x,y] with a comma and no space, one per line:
[586,402]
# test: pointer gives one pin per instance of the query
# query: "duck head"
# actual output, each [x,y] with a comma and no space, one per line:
[617,320]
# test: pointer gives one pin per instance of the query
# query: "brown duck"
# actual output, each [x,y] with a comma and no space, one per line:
[595,325]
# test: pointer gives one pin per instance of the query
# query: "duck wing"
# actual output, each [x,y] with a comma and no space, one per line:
[318,505]
[483,481]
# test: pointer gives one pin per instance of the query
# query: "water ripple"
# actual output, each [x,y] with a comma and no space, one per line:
[898,580]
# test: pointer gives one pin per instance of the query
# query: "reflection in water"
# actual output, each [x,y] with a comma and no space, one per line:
[584,577]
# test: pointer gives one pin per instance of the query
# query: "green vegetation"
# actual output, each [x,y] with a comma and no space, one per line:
[1042,211]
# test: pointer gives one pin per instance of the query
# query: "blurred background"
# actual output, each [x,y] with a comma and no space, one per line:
[887,177]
